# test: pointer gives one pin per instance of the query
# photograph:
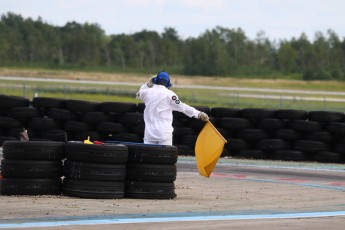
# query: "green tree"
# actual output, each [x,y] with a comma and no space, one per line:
[83,44]
[171,48]
[286,57]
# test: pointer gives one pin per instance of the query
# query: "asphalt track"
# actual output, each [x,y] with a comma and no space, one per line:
[326,180]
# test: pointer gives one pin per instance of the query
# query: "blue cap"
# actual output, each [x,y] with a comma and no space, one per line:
[163,78]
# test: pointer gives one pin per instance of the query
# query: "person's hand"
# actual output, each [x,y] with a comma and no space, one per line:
[150,82]
[203,116]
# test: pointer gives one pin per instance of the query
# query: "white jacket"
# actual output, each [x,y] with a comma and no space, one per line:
[160,102]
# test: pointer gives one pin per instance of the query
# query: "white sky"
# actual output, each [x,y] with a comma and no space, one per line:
[279,19]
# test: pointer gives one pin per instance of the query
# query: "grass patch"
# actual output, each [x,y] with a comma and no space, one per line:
[205,97]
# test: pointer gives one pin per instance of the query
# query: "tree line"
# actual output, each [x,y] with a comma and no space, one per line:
[216,52]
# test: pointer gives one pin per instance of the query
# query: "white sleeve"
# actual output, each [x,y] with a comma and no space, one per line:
[138,95]
[179,106]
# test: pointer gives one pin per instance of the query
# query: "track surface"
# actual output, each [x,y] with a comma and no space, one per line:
[240,194]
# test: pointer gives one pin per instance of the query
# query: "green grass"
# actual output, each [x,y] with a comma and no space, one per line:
[195,97]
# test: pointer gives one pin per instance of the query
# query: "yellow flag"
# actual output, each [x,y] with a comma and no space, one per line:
[208,148]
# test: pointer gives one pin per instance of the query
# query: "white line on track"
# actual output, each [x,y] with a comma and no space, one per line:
[172,219]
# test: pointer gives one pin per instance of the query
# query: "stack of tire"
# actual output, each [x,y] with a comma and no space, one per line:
[102,121]
[327,139]
[95,171]
[151,171]
[283,134]
[32,168]
[48,124]
[130,118]
[13,116]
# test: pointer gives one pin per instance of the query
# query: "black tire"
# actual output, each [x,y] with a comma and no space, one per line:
[3,132]
[9,101]
[329,157]
[287,134]
[39,139]
[180,115]
[32,186]
[251,154]
[270,124]
[291,114]
[256,113]
[6,138]
[197,124]
[183,131]
[322,136]
[340,148]
[269,145]
[91,189]
[34,150]
[185,150]
[180,122]
[110,128]
[9,123]
[288,155]
[252,134]
[234,124]
[225,133]
[129,120]
[326,116]
[55,135]
[219,112]
[76,127]
[23,112]
[118,107]
[150,190]
[336,128]
[47,102]
[141,107]
[150,172]
[189,140]
[60,114]
[310,146]
[106,153]
[15,132]
[30,169]
[152,154]
[305,126]
[94,117]
[92,171]
[42,123]
[139,130]
[114,117]
[236,144]
[127,137]
[81,106]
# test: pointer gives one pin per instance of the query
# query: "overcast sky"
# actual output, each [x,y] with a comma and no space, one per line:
[279,19]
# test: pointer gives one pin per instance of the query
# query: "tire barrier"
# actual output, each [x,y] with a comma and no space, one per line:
[32,168]
[74,120]
[151,171]
[94,171]
[98,171]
